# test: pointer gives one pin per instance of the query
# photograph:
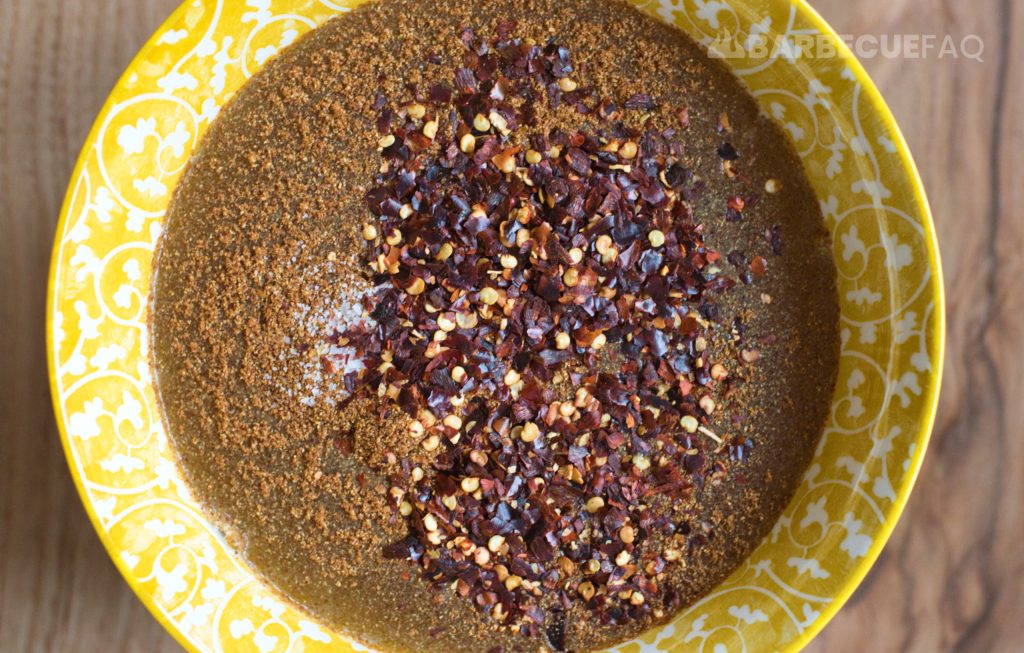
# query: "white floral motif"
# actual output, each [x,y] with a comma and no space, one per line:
[173,81]
[172,36]
[808,566]
[697,629]
[129,411]
[126,292]
[177,139]
[795,131]
[815,515]
[868,333]
[852,244]
[906,385]
[899,254]
[855,543]
[708,10]
[810,616]
[882,488]
[859,145]
[135,220]
[272,606]
[103,204]
[268,51]
[194,616]
[864,295]
[836,158]
[150,186]
[260,15]
[122,463]
[222,60]
[209,110]
[123,296]
[887,144]
[166,528]
[58,327]
[85,424]
[264,642]
[80,232]
[746,615]
[104,356]
[75,364]
[131,270]
[171,583]
[130,559]
[87,263]
[830,208]
[856,404]
[213,589]
[310,630]
[132,139]
[239,628]
[873,188]
[105,508]
[905,327]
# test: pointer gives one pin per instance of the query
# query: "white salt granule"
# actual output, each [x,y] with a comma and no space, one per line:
[318,324]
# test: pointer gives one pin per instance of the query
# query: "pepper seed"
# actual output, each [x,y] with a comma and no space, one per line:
[495,543]
[481,123]
[430,129]
[530,432]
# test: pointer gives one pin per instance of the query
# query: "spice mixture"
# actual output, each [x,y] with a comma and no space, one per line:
[494,327]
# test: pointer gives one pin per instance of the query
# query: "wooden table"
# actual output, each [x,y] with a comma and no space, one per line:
[951,579]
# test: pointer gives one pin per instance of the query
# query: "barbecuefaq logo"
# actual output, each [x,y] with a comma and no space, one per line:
[727,45]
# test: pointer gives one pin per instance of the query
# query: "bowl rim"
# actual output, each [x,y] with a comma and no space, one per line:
[850,583]
[931,401]
[51,362]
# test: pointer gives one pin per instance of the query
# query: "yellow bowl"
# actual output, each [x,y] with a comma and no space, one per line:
[847,505]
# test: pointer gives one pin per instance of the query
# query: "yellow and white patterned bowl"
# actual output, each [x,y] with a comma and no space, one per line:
[179,565]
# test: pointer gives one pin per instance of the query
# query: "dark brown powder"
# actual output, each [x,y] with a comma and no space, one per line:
[261,263]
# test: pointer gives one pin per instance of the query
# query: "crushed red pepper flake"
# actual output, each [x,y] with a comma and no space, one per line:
[546,303]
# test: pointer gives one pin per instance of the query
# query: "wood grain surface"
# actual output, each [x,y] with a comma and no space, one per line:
[951,578]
